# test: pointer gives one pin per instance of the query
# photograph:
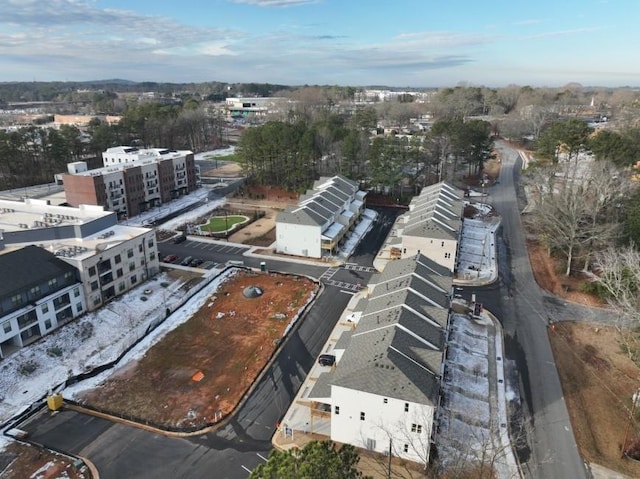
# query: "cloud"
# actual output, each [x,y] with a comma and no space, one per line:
[563,33]
[275,3]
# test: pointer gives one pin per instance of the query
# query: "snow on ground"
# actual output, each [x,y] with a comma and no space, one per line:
[157,213]
[475,410]
[215,153]
[97,338]
[475,384]
[138,351]
[477,252]
[192,215]
[362,228]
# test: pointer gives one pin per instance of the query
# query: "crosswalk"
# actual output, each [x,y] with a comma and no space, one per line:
[343,285]
[356,267]
[328,274]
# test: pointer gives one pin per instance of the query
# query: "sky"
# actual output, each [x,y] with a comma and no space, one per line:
[400,43]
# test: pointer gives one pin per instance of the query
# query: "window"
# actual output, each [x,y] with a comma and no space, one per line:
[406,407]
[6,327]
[132,266]
[134,280]
[117,259]
[362,416]
[406,448]
[150,243]
[385,400]
[140,248]
[79,307]
[45,308]
[94,285]
[371,444]
[92,271]
[96,300]
[76,292]
[121,286]
[152,256]
[119,273]
[130,253]
[16,300]
[68,275]
[416,428]
[336,409]
[442,244]
[35,291]
[53,282]
[47,324]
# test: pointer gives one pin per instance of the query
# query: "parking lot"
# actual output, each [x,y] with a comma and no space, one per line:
[208,251]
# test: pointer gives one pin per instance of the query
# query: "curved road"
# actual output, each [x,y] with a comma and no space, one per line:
[525,309]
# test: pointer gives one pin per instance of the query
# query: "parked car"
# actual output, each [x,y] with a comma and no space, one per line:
[326,360]
[186,261]
[170,258]
[180,239]
[195,262]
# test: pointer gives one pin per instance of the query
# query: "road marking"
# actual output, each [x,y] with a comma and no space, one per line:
[262,457]
[347,292]
[246,469]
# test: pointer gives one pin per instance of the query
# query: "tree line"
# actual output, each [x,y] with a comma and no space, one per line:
[291,154]
[32,155]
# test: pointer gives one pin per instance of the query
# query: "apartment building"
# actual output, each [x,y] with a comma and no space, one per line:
[109,258]
[132,180]
[38,293]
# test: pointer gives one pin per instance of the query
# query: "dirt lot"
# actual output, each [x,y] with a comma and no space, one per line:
[598,378]
[23,461]
[207,364]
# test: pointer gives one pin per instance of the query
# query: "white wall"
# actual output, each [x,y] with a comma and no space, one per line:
[409,431]
[441,251]
[299,240]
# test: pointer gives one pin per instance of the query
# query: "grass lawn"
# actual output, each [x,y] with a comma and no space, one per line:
[218,224]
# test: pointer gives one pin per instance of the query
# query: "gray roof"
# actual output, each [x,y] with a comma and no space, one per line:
[383,362]
[396,349]
[435,213]
[343,340]
[324,203]
[322,388]
[27,267]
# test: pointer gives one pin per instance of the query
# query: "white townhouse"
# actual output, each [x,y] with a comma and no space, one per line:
[431,227]
[322,218]
[385,388]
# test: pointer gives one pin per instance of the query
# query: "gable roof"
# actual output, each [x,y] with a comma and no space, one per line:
[397,347]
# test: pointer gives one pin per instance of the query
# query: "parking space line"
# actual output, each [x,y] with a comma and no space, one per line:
[261,457]
[246,468]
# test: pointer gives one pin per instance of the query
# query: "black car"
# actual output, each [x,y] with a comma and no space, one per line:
[180,239]
[195,262]
[186,261]
[326,360]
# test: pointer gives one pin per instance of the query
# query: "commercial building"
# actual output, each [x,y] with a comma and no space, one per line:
[132,180]
[385,388]
[38,293]
[110,258]
[322,218]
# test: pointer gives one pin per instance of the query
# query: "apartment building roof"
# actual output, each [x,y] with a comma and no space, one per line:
[28,267]
[35,213]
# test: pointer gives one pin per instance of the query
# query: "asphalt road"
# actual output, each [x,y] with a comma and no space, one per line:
[232,452]
[525,309]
